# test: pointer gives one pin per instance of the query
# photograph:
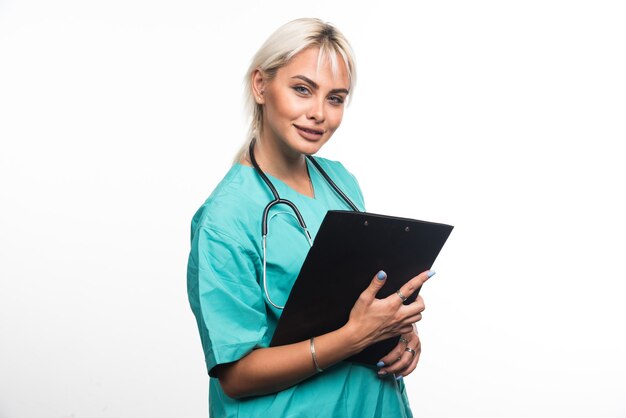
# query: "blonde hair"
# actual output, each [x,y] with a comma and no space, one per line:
[282,45]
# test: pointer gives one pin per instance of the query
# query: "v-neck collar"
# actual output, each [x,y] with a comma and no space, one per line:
[314,178]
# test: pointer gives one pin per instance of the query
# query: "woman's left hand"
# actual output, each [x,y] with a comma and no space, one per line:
[400,361]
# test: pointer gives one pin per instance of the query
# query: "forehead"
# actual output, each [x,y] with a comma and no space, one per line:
[318,68]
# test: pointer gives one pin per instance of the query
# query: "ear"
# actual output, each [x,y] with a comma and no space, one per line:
[258,86]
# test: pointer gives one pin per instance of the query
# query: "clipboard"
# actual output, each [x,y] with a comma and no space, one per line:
[349,249]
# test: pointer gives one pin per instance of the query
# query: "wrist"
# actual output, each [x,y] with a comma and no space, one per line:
[354,343]
[314,355]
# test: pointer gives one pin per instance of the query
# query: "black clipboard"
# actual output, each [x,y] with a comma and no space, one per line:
[349,249]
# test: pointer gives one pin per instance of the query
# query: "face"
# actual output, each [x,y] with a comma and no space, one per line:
[302,107]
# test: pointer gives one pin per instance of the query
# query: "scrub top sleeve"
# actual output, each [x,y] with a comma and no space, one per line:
[225,297]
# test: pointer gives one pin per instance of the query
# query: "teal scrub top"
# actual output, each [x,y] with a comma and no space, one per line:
[224,283]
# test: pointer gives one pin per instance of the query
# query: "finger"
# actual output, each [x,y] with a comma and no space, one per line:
[393,355]
[411,366]
[405,329]
[413,285]
[413,319]
[399,329]
[398,351]
[402,364]
[420,302]
[412,310]
[375,285]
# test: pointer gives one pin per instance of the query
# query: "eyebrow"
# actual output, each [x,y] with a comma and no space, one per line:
[316,86]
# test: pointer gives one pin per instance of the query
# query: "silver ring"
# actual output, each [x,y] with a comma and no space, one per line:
[404,340]
[399,293]
[410,350]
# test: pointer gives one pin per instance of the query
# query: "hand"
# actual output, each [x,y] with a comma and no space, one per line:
[372,320]
[401,362]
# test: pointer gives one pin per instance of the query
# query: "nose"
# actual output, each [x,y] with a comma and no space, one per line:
[316,111]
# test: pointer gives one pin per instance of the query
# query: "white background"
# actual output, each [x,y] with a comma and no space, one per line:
[502,118]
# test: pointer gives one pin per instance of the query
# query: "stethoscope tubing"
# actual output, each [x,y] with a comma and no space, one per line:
[280,201]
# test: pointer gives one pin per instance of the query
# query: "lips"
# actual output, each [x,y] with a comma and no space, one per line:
[310,130]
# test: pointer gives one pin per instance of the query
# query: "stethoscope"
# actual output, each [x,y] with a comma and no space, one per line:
[278,201]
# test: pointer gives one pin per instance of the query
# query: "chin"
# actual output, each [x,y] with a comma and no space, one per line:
[308,147]
[310,150]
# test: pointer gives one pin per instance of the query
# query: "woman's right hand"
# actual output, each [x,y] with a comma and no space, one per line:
[372,320]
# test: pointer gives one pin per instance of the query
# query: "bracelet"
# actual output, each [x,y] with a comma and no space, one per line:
[317,366]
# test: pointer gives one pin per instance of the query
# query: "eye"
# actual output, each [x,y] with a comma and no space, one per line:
[302,90]
[336,100]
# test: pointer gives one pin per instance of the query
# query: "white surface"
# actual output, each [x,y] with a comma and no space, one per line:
[503,118]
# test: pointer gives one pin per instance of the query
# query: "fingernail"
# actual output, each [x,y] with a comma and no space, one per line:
[399,378]
[382,373]
[431,273]
[381,275]
[380,363]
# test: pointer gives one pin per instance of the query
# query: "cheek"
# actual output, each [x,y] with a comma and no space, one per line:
[286,107]
[335,116]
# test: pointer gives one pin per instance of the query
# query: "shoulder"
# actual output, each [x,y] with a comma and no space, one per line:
[331,165]
[233,207]
[344,179]
[336,170]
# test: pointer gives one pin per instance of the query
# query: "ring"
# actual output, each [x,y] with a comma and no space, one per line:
[410,350]
[404,340]
[399,293]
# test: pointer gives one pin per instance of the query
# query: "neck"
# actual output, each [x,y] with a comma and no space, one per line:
[278,162]
[290,168]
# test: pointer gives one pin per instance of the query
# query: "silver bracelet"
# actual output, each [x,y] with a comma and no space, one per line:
[317,366]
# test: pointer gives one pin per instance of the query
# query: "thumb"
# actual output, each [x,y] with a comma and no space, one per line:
[376,284]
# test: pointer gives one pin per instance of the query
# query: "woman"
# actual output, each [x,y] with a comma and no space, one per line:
[298,84]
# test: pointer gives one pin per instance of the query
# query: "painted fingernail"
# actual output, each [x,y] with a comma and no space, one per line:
[381,275]
[382,373]
[431,273]
[380,363]
[399,378]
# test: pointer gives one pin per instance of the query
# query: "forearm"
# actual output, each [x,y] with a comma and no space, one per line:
[269,370]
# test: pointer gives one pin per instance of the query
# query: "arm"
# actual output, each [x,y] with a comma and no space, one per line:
[268,370]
